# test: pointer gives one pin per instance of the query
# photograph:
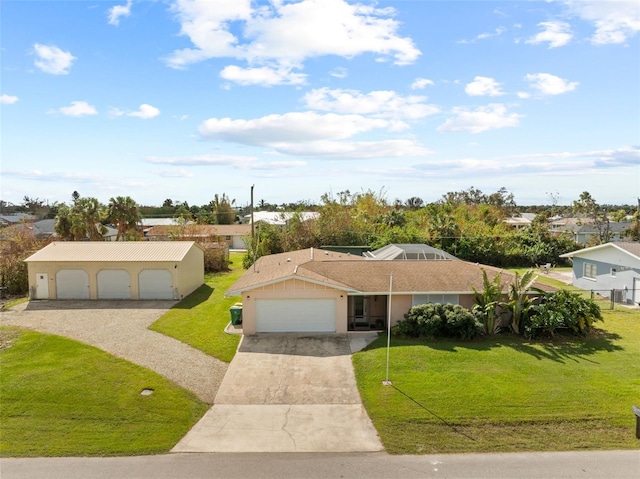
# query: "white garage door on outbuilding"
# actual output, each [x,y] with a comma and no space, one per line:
[155,284]
[72,284]
[295,315]
[114,284]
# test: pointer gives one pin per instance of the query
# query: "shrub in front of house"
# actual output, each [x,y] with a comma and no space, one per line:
[559,311]
[434,320]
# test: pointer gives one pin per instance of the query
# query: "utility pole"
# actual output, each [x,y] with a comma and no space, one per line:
[253,233]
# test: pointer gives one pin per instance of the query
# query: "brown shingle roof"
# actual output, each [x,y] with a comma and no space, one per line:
[353,273]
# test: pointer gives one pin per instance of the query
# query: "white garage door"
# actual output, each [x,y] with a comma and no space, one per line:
[72,284]
[114,284]
[155,284]
[295,315]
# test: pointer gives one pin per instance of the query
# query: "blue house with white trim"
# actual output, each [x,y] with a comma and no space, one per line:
[609,267]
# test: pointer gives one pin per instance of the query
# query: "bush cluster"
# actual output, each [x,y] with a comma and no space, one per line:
[435,320]
[561,310]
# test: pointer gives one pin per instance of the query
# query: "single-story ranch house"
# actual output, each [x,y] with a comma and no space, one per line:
[608,267]
[116,270]
[233,235]
[315,290]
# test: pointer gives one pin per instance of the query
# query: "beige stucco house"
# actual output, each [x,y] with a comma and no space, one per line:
[116,270]
[315,290]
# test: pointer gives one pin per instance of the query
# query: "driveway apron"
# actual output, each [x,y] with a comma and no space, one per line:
[286,393]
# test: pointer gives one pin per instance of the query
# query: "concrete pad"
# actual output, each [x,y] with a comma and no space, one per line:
[290,369]
[282,428]
[358,341]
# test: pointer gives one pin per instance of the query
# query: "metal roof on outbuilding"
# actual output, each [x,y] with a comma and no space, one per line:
[105,251]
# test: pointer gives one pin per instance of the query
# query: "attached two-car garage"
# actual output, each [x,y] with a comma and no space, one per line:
[295,315]
[110,270]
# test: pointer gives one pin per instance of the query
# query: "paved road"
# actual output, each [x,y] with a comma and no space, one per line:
[561,465]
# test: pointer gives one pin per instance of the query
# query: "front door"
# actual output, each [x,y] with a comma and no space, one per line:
[42,286]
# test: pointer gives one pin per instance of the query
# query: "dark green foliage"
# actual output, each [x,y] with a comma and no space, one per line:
[487,307]
[562,310]
[435,320]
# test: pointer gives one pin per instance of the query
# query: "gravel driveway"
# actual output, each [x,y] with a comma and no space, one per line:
[120,328]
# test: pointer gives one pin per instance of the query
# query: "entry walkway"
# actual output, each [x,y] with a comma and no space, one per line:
[286,393]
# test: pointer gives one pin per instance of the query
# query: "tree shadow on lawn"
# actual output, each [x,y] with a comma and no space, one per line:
[562,349]
[199,296]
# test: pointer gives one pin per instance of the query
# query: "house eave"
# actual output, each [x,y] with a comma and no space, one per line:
[238,292]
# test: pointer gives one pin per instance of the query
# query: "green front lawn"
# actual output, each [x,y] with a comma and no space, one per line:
[59,397]
[199,320]
[505,393]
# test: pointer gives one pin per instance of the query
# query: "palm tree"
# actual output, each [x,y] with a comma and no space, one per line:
[81,221]
[518,300]
[123,213]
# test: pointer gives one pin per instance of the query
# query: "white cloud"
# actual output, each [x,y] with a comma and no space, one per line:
[556,33]
[482,86]
[78,108]
[8,99]
[118,11]
[264,76]
[144,112]
[548,84]
[287,33]
[614,21]
[357,150]
[380,104]
[524,95]
[339,72]
[421,83]
[313,135]
[52,59]
[483,36]
[484,118]
[177,173]
[237,162]
[295,127]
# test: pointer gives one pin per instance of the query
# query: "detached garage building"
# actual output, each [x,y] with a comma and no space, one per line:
[114,270]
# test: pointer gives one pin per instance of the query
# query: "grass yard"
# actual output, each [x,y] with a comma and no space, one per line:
[506,393]
[59,397]
[199,320]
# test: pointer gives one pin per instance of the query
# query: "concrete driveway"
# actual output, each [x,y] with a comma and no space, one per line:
[286,393]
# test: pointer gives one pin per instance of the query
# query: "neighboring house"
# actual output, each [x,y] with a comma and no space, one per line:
[408,252]
[45,229]
[521,221]
[583,229]
[116,270]
[148,223]
[616,231]
[233,235]
[279,218]
[316,290]
[10,220]
[608,267]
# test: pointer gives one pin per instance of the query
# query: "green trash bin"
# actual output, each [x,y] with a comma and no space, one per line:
[236,314]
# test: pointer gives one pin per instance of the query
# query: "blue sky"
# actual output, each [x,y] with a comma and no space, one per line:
[185,99]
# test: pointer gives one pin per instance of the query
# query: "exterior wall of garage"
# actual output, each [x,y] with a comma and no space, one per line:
[187,276]
[190,272]
[292,289]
